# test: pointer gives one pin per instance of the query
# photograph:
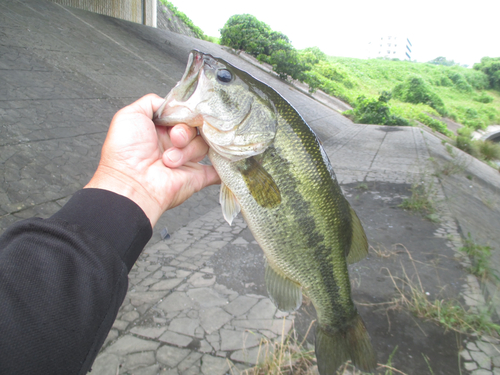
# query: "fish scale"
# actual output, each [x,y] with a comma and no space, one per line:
[284,185]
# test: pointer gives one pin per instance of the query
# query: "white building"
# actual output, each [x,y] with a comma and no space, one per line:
[390,47]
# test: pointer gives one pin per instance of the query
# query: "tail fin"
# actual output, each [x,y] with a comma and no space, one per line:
[335,347]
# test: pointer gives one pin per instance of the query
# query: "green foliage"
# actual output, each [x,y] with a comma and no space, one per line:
[434,124]
[466,144]
[287,63]
[442,61]
[491,67]
[488,150]
[483,98]
[245,32]
[415,90]
[198,32]
[480,257]
[376,111]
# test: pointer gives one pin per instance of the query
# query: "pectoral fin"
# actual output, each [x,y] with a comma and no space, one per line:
[229,203]
[260,183]
[286,294]
[359,243]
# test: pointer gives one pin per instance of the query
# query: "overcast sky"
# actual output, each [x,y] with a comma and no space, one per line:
[458,30]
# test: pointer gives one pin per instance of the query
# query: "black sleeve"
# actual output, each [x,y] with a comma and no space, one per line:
[62,281]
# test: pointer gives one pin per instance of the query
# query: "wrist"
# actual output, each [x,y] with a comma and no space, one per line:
[107,178]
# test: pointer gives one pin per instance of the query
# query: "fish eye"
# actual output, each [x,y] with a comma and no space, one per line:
[224,75]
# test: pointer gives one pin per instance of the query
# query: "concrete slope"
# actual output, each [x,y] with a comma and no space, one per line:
[197,303]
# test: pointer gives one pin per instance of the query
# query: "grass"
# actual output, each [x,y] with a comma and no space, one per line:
[285,357]
[448,313]
[421,200]
[480,257]
[462,90]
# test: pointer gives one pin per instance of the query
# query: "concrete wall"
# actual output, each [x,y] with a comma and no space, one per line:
[139,11]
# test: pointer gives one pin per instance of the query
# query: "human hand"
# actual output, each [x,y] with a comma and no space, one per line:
[154,166]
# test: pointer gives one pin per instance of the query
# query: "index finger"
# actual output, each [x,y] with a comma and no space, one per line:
[146,105]
[181,135]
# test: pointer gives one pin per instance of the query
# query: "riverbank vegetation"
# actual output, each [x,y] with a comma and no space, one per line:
[381,91]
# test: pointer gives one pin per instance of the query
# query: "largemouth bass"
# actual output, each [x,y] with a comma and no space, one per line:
[275,171]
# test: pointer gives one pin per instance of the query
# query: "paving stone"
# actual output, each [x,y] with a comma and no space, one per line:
[149,332]
[141,298]
[106,364]
[199,280]
[253,324]
[487,348]
[129,344]
[199,332]
[240,305]
[472,346]
[469,366]
[214,340]
[481,372]
[171,356]
[172,371]
[466,355]
[496,362]
[206,297]
[212,318]
[184,326]
[191,360]
[130,316]
[136,360]
[166,284]
[264,309]
[175,302]
[120,325]
[175,339]
[112,335]
[205,347]
[214,365]
[235,339]
[482,360]
[240,241]
[150,370]
[251,356]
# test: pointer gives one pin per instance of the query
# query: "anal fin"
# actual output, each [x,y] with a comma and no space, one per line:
[359,243]
[285,293]
[229,203]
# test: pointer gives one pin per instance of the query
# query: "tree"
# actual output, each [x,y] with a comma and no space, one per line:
[491,67]
[247,33]
[442,61]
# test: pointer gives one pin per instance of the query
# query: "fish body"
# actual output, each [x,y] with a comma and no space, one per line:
[275,171]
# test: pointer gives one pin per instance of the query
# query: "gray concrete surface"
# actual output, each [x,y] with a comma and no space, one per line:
[197,302]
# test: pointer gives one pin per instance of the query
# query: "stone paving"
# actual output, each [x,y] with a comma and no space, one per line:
[176,319]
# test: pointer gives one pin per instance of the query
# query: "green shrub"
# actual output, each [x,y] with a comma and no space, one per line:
[434,124]
[187,21]
[376,111]
[488,150]
[483,98]
[415,90]
[460,82]
[491,67]
[466,144]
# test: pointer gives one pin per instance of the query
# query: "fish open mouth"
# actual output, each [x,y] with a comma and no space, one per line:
[168,114]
